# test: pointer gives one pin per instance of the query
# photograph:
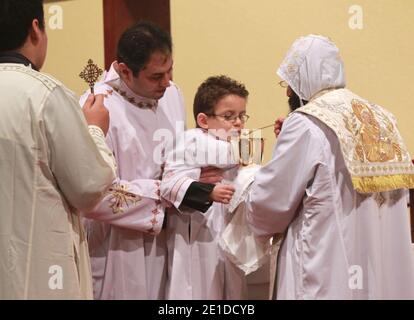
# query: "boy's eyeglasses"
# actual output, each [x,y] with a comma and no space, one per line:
[232,118]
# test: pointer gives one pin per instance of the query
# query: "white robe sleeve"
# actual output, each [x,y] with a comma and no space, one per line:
[99,138]
[81,172]
[134,204]
[131,204]
[279,186]
[180,170]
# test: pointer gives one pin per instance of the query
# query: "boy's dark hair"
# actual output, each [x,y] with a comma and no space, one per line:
[211,91]
[16,17]
[138,42]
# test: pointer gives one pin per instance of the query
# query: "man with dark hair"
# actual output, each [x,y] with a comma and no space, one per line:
[51,166]
[20,19]
[16,23]
[335,186]
[138,43]
[126,240]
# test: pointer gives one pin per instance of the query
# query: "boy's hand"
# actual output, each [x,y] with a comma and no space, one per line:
[222,193]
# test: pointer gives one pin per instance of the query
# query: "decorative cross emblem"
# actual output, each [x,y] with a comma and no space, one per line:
[90,74]
[120,197]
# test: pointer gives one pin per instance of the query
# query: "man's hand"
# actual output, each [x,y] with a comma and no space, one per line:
[211,175]
[165,203]
[222,193]
[95,112]
[278,125]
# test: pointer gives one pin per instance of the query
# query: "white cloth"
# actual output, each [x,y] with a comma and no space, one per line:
[126,240]
[198,268]
[311,65]
[50,168]
[334,235]
[239,243]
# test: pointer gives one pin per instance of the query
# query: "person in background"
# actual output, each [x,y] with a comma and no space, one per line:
[51,166]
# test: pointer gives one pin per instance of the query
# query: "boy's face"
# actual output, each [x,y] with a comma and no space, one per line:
[227,113]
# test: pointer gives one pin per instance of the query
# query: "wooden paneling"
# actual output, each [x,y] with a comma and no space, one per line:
[120,14]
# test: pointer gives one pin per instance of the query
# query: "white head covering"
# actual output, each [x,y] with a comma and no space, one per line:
[312,64]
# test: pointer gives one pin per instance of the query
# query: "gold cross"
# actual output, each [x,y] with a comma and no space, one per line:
[90,74]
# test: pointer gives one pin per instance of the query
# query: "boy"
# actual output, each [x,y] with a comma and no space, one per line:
[198,268]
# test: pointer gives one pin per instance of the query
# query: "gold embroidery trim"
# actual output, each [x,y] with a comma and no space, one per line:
[121,198]
[382,183]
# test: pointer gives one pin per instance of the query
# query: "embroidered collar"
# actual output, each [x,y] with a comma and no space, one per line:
[134,99]
[112,79]
[322,92]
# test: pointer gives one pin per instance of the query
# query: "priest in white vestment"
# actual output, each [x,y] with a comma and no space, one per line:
[125,231]
[50,167]
[337,186]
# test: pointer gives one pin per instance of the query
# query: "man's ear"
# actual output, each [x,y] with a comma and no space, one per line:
[124,72]
[35,32]
[202,120]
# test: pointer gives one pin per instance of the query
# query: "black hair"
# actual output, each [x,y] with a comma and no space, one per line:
[139,42]
[16,18]
[294,101]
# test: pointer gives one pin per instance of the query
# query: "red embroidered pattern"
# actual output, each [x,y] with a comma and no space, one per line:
[139,104]
[156,210]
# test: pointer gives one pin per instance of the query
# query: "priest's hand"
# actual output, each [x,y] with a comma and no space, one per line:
[211,175]
[95,112]
[278,126]
[222,193]
[165,203]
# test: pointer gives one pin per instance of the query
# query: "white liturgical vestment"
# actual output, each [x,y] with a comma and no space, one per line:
[125,236]
[337,185]
[198,268]
[50,169]
[339,244]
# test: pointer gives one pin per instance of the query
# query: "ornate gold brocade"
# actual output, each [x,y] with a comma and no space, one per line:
[374,152]
[374,143]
